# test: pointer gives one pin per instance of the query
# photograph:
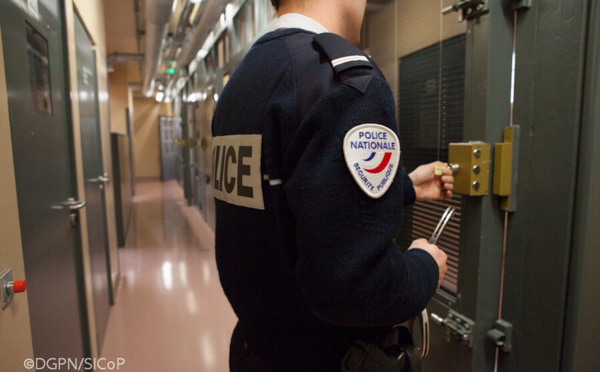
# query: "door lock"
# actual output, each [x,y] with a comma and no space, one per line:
[73,219]
[458,327]
[8,287]
[473,161]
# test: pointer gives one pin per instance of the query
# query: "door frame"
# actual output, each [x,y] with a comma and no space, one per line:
[581,336]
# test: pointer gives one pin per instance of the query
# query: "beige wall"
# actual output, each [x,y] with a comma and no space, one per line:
[121,39]
[406,26]
[15,331]
[146,136]
[119,98]
[121,94]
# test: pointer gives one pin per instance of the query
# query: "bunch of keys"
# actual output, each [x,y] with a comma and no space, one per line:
[424,316]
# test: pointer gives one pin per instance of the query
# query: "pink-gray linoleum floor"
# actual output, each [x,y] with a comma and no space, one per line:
[170,312]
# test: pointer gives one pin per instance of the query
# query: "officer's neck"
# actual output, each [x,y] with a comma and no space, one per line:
[333,15]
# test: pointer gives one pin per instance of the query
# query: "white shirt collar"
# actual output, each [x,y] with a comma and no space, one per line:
[296,20]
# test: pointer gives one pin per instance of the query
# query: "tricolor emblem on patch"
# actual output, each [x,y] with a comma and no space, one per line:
[372,153]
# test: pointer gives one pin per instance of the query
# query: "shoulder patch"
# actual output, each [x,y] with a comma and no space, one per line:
[346,60]
[372,154]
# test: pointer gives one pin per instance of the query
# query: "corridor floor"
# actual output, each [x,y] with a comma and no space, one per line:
[170,313]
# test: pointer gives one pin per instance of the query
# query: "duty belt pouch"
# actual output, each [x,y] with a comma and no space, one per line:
[396,354]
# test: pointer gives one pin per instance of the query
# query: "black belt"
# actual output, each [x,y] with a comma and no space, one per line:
[396,354]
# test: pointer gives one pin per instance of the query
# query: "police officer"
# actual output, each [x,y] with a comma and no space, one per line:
[309,195]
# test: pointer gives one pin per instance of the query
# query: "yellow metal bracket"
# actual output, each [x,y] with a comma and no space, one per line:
[505,168]
[471,163]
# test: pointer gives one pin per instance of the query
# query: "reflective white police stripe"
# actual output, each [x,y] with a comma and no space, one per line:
[339,61]
[236,170]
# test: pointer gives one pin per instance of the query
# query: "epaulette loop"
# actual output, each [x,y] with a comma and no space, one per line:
[345,58]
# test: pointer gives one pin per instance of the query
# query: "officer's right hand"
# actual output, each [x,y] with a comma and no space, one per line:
[438,255]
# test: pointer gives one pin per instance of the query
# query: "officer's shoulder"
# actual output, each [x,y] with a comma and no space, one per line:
[349,63]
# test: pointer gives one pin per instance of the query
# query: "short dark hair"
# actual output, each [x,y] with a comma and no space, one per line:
[275,4]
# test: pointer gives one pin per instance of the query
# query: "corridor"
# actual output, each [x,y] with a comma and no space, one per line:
[170,313]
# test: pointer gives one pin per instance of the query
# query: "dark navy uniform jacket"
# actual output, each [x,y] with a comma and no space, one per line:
[305,257]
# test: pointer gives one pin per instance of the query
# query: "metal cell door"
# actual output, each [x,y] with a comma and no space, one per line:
[202,178]
[509,74]
[187,134]
[95,179]
[170,150]
[195,146]
[205,114]
[33,37]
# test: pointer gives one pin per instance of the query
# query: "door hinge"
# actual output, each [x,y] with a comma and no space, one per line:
[501,335]
[458,327]
[468,9]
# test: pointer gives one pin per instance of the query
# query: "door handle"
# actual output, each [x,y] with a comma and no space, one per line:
[105,178]
[71,204]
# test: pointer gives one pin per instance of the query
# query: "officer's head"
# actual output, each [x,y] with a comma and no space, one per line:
[343,17]
[276,3]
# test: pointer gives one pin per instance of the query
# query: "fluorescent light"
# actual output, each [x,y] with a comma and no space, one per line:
[160,96]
